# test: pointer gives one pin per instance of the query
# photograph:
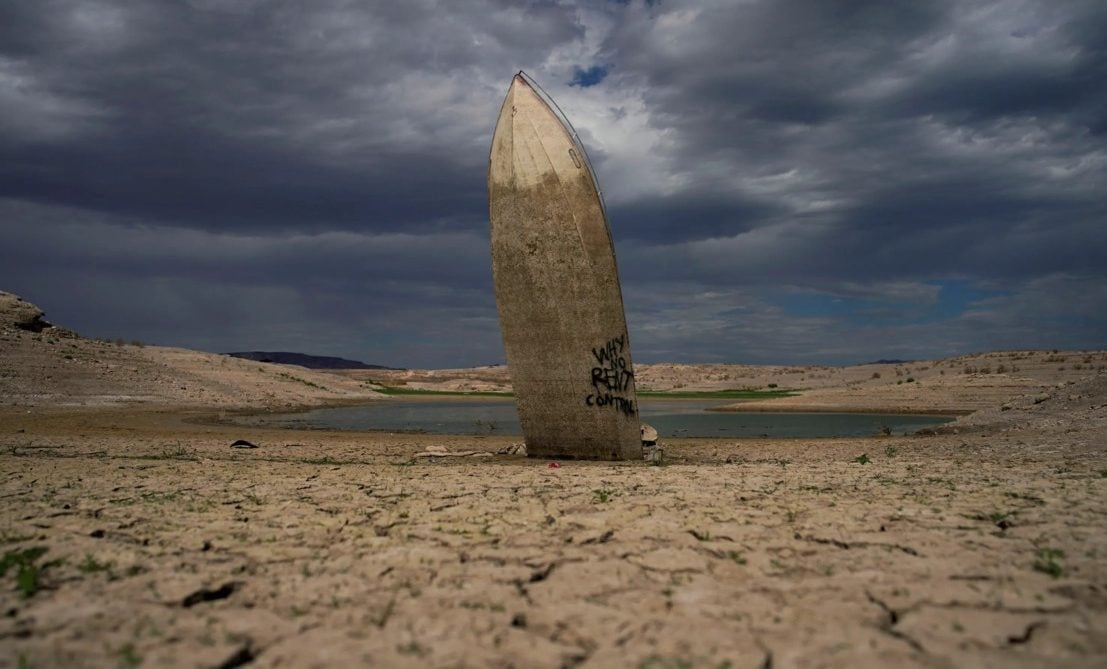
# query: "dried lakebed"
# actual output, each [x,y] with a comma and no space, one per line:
[671,418]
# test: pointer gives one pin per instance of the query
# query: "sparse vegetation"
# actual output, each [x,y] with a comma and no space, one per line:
[862,459]
[91,565]
[1047,562]
[603,495]
[1000,519]
[128,656]
[412,648]
[28,573]
[297,379]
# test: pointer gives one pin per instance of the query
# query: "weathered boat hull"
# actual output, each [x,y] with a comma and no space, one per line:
[557,289]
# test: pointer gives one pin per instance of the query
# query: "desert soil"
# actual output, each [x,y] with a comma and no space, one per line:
[134,535]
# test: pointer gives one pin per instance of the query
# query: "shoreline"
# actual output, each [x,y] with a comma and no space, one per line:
[823,409]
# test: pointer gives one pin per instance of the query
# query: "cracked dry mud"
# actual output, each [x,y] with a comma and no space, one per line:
[324,549]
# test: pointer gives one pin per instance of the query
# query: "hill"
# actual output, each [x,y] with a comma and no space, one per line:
[44,365]
[304,360]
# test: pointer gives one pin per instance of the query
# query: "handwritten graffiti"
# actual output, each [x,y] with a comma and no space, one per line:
[607,399]
[611,377]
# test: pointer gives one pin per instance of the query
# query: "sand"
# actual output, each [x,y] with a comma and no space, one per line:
[980,545]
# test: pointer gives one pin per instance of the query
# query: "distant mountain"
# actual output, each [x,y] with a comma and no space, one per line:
[304,360]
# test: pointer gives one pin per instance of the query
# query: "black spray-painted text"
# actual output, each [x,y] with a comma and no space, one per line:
[611,377]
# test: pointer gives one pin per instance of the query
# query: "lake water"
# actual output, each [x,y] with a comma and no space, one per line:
[671,418]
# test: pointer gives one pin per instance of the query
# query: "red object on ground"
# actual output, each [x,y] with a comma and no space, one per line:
[553,465]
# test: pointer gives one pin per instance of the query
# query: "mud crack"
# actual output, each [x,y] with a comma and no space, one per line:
[1019,639]
[888,625]
[208,595]
[845,545]
[240,658]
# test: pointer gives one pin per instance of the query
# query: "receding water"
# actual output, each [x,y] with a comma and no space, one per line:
[671,418]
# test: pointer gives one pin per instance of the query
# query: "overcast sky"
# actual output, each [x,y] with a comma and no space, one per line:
[787,181]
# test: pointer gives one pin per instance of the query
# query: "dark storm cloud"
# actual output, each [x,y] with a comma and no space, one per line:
[686,216]
[268,115]
[786,180]
[934,129]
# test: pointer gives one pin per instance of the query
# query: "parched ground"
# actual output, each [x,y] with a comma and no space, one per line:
[139,538]
[132,534]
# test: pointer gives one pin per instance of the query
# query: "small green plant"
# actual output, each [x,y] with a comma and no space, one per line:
[128,656]
[1000,519]
[412,648]
[862,459]
[91,565]
[1103,473]
[737,557]
[28,574]
[177,453]
[891,451]
[603,495]
[1047,562]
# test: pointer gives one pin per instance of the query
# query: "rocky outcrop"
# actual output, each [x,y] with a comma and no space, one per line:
[17,312]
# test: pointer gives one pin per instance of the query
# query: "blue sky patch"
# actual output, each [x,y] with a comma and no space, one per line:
[590,77]
[955,297]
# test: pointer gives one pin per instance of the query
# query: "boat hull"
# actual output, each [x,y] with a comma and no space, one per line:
[557,289]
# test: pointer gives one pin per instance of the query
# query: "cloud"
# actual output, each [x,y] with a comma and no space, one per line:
[786,180]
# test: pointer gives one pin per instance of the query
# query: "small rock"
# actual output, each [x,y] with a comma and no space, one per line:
[242,443]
